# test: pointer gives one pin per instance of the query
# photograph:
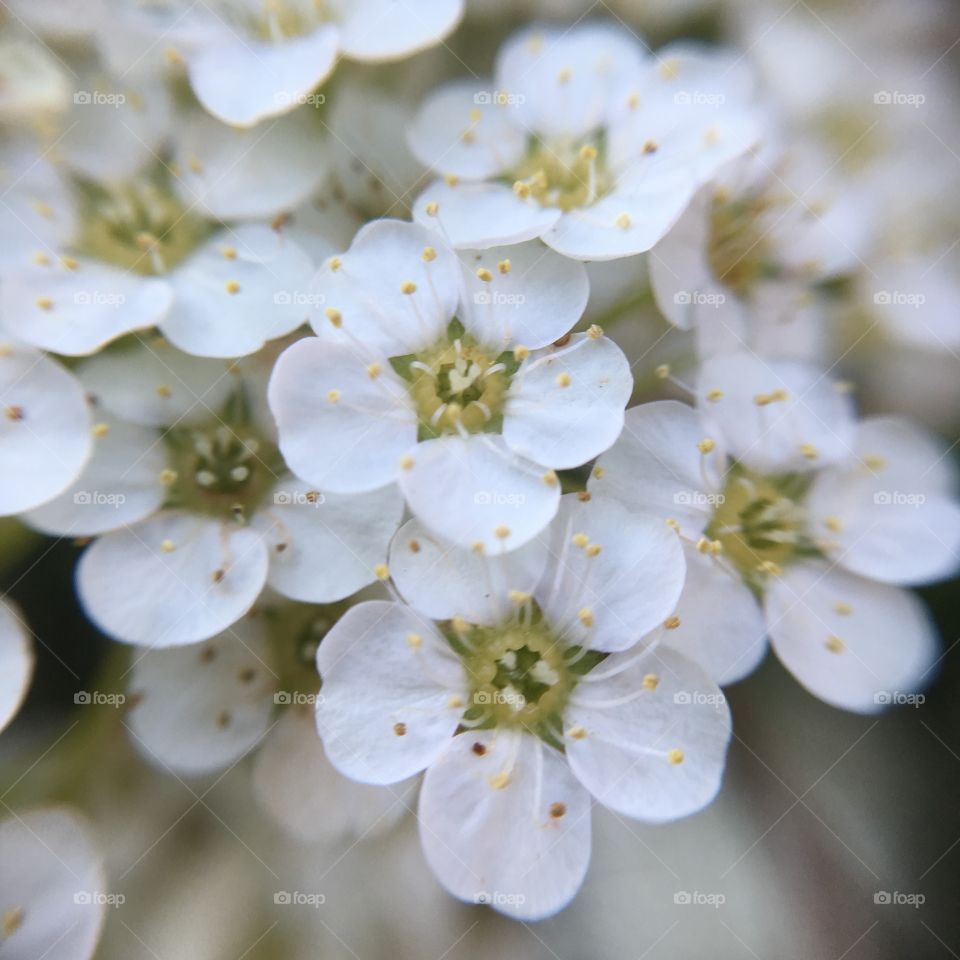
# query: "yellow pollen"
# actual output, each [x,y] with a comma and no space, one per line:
[706,445]
[633,101]
[675,756]
[501,532]
[809,451]
[451,178]
[334,316]
[844,609]
[703,545]
[232,286]
[168,477]
[769,567]
[668,69]
[762,399]
[670,522]
[406,462]
[623,221]
[521,189]
[44,303]
[671,623]
[167,546]
[478,548]
[414,641]
[833,524]
[835,644]
[373,370]
[460,626]
[504,266]
[11,921]
[550,478]
[432,207]
[594,331]
[484,274]
[499,781]
[588,152]
[651,681]
[43,209]
[164,391]
[662,372]
[714,395]
[429,253]
[594,550]
[564,75]
[408,287]
[580,540]
[585,616]
[229,253]
[455,702]
[519,597]
[476,115]
[195,165]
[576,733]
[521,353]
[70,263]
[173,56]
[563,380]
[334,263]
[333,396]
[381,571]
[874,462]
[599,472]
[41,259]
[100,430]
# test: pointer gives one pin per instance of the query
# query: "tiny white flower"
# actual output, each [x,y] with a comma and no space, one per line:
[16,661]
[579,139]
[470,416]
[493,679]
[53,903]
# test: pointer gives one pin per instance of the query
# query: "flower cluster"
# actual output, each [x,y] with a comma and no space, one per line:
[349,416]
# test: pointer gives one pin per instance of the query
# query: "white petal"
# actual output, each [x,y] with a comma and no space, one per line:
[340,428]
[242,81]
[571,78]
[120,485]
[565,404]
[78,311]
[630,723]
[856,644]
[474,490]
[365,286]
[392,693]
[139,590]
[236,174]
[811,426]
[522,846]
[229,306]
[721,625]
[55,896]
[464,128]
[481,215]
[623,592]
[325,546]
[887,512]
[16,661]
[199,708]
[535,298]
[45,438]
[390,29]
[442,581]
[656,467]
[308,799]
[150,383]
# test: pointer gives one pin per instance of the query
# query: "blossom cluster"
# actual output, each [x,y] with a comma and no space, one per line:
[342,398]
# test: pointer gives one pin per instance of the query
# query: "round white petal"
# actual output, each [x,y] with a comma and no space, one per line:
[296,784]
[325,546]
[242,81]
[534,298]
[230,306]
[340,428]
[851,642]
[139,590]
[481,215]
[366,286]
[120,485]
[656,467]
[521,846]
[566,404]
[77,311]
[392,693]
[630,587]
[628,728]
[465,128]
[390,29]
[475,490]
[442,581]
[813,418]
[199,708]
[45,438]
[53,895]
[721,624]
[16,662]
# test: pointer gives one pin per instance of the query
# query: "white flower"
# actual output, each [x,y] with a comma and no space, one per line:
[247,61]
[45,423]
[510,706]
[579,139]
[472,416]
[16,661]
[804,542]
[53,901]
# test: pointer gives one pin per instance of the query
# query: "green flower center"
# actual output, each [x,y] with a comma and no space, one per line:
[563,173]
[738,251]
[278,19]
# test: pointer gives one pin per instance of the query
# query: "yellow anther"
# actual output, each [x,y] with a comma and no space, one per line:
[874,462]
[599,472]
[460,626]
[41,259]
[594,331]
[476,115]
[455,702]
[714,395]
[373,370]
[670,522]
[499,780]
[232,286]
[809,451]
[334,316]
[564,75]
[580,540]
[44,303]
[14,413]
[478,548]
[504,266]
[168,477]
[414,641]
[521,189]
[585,616]
[633,101]
[716,548]
[706,445]
[770,568]
[11,921]
[501,532]
[671,623]
[70,263]
[588,152]
[711,136]
[333,396]
[432,207]
[520,353]
[484,274]
[834,644]
[762,399]
[662,372]
[229,253]
[669,68]
[400,729]
[195,165]
[703,545]
[381,571]
[519,597]
[779,395]
[167,546]
[844,609]
[451,178]
[43,209]
[576,733]
[334,263]
[563,380]
[406,462]
[594,550]
[550,478]
[164,391]
[649,146]
[675,756]
[173,56]
[651,681]
[408,287]
[623,221]
[100,430]
[429,253]
[833,524]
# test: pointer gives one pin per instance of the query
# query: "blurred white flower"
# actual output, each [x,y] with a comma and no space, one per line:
[16,661]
